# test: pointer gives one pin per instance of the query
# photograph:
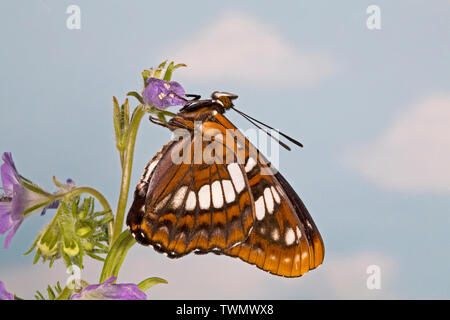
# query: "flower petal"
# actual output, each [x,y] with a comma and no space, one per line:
[110,291]
[5,216]
[5,295]
[177,88]
[18,200]
[15,226]
[163,94]
[9,173]
[110,280]
[24,199]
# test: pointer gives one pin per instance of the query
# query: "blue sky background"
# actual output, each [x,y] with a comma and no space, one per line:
[371,106]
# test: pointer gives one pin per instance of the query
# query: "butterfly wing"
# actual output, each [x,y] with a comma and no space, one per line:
[284,239]
[187,205]
[234,208]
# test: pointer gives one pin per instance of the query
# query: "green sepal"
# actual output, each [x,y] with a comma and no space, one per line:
[37,256]
[150,282]
[162,64]
[52,261]
[37,206]
[39,296]
[94,256]
[172,66]
[158,71]
[33,187]
[32,247]
[158,111]
[137,96]
[51,293]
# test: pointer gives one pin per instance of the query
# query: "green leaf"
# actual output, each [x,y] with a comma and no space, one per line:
[116,255]
[150,282]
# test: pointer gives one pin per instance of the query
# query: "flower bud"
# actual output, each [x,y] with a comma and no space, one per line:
[72,250]
[84,231]
[75,230]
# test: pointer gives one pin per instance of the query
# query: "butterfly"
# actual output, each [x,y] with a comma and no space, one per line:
[188,201]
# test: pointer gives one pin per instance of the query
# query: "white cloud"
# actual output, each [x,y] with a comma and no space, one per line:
[220,277]
[240,48]
[414,152]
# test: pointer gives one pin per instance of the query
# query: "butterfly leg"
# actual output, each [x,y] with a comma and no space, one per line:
[195,97]
[157,121]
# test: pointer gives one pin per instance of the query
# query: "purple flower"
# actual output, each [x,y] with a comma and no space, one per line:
[163,94]
[5,295]
[18,200]
[108,290]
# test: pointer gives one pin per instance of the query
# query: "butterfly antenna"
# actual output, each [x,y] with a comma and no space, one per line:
[249,118]
[281,143]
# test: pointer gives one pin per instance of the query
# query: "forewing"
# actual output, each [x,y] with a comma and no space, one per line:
[191,205]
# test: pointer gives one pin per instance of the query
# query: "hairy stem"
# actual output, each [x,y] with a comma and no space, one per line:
[136,118]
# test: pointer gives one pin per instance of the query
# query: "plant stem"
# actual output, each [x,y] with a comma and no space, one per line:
[136,118]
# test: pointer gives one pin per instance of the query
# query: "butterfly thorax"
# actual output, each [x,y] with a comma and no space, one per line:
[202,110]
